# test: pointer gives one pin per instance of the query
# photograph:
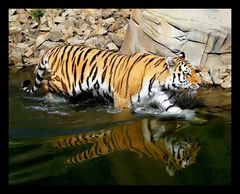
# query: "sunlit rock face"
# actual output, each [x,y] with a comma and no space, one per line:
[203,34]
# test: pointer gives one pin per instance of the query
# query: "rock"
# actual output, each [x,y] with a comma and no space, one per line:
[12,11]
[217,80]
[15,56]
[91,20]
[121,32]
[59,19]
[227,82]
[204,36]
[31,42]
[90,13]
[22,45]
[43,20]
[14,29]
[68,31]
[68,12]
[102,41]
[112,47]
[34,25]
[223,75]
[229,67]
[45,29]
[31,61]
[13,18]
[11,46]
[42,38]
[106,13]
[116,39]
[69,24]
[110,21]
[226,57]
[78,31]
[75,40]
[207,78]
[19,65]
[101,31]
[91,41]
[48,44]
[55,36]
[86,34]
[28,53]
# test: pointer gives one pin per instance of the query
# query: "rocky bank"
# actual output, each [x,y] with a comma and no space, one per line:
[204,35]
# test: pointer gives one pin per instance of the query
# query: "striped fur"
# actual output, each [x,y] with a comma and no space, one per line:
[148,137]
[130,81]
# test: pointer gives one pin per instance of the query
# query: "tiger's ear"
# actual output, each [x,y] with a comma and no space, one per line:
[181,54]
[170,62]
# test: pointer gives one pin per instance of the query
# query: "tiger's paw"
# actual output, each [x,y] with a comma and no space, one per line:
[174,110]
[187,114]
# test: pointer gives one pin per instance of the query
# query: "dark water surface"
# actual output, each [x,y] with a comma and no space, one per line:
[35,122]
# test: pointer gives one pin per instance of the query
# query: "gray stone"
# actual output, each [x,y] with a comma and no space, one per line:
[91,41]
[102,31]
[12,11]
[106,13]
[108,22]
[13,18]
[48,44]
[14,29]
[19,65]
[15,56]
[22,45]
[207,78]
[34,25]
[75,40]
[216,79]
[55,36]
[31,61]
[112,47]
[40,39]
[28,53]
[203,34]
[45,29]
[43,20]
[59,19]
[116,39]
[227,82]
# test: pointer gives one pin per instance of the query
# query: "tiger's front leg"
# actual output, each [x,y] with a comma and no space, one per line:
[166,102]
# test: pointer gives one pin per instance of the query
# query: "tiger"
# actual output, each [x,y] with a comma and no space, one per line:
[129,81]
[147,137]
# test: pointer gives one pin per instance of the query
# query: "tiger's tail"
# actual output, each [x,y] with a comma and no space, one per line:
[74,140]
[40,73]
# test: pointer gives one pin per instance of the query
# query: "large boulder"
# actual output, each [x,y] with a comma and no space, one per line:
[203,34]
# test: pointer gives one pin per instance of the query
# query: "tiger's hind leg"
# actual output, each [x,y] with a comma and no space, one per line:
[53,86]
[95,151]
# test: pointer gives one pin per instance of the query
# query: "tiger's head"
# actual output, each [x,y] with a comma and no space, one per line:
[181,153]
[183,75]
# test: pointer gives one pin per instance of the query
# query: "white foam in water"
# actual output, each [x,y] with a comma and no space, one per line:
[37,108]
[185,114]
[54,99]
[58,113]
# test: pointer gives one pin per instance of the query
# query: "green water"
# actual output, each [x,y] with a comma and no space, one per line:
[35,121]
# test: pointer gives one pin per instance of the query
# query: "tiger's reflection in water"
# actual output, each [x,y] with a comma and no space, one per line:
[149,137]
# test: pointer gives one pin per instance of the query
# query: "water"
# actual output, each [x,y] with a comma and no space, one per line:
[35,122]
